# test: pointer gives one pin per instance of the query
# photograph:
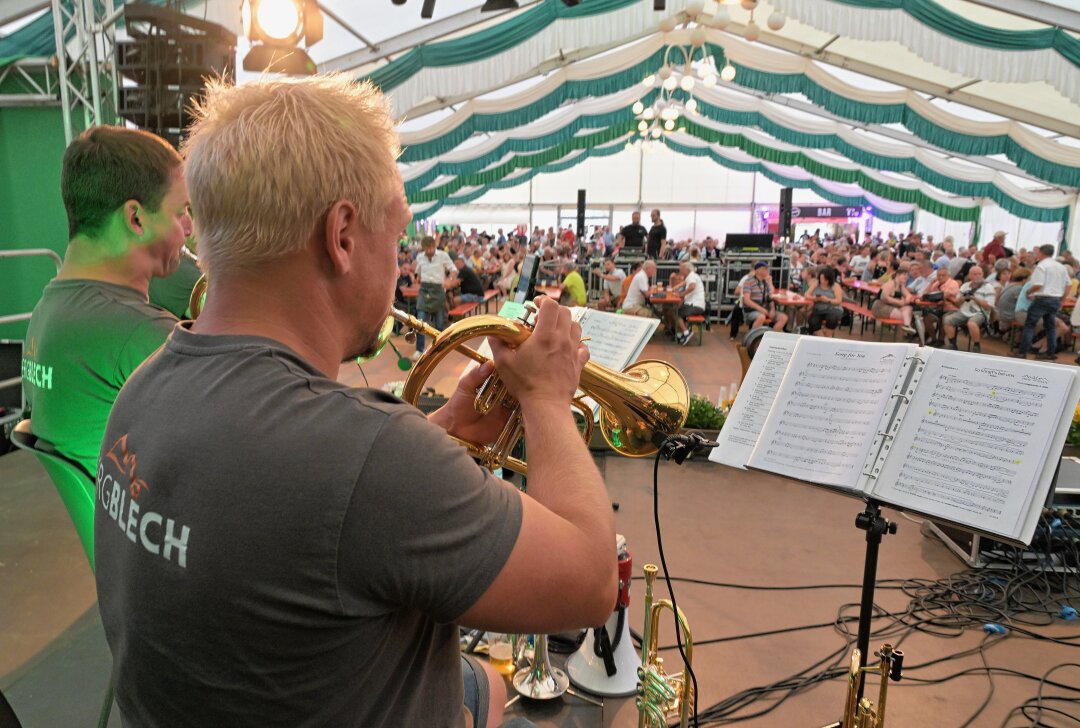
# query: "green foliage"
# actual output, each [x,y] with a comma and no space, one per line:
[704,415]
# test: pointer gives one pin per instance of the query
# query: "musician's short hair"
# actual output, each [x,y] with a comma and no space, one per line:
[106,166]
[266,159]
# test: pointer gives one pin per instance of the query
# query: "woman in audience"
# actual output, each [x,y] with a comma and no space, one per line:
[895,301]
[827,297]
[1008,297]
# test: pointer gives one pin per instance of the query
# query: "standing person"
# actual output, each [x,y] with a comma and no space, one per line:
[612,278]
[757,304]
[127,209]
[657,245]
[432,268]
[636,301]
[827,297]
[995,248]
[1049,281]
[693,304]
[634,234]
[327,541]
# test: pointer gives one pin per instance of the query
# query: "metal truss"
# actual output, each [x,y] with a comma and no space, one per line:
[32,82]
[85,51]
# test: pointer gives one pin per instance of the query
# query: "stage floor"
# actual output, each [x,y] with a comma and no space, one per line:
[718,524]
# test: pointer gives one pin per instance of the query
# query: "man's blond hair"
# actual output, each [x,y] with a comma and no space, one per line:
[265,160]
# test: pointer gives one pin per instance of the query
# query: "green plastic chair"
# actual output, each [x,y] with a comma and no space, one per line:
[74,485]
[76,489]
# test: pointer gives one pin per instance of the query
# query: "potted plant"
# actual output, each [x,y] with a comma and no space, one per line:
[705,418]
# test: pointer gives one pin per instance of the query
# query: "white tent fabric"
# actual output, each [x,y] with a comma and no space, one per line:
[937,48]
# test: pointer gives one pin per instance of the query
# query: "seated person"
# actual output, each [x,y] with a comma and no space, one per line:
[573,286]
[692,290]
[827,297]
[757,304]
[472,289]
[322,543]
[975,302]
[127,210]
[636,301]
[611,289]
[895,301]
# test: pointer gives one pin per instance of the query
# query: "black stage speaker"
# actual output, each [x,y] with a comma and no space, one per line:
[580,214]
[785,213]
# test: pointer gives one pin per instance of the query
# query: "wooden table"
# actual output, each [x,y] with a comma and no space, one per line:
[550,291]
[790,300]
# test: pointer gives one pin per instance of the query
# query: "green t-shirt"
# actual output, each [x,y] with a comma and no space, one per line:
[575,286]
[174,292]
[84,340]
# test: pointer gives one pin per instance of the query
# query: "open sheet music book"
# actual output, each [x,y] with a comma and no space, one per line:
[966,438]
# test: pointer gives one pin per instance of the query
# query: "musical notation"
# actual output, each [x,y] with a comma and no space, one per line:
[972,443]
[831,408]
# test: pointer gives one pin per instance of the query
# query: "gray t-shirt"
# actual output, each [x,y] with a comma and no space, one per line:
[84,339]
[276,549]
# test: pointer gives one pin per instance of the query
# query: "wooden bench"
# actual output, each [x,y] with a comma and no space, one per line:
[697,322]
[463,309]
[492,295]
[880,323]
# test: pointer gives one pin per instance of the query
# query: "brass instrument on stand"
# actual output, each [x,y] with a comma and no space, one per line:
[860,712]
[640,406]
[662,696]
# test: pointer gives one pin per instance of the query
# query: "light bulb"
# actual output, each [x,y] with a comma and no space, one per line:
[629,146]
[686,83]
[278,19]
[749,4]
[650,80]
[667,25]
[694,8]
[664,73]
[638,107]
[645,133]
[669,124]
[751,32]
[691,105]
[697,37]
[776,21]
[642,125]
[670,83]
[656,132]
[728,73]
[709,80]
[721,17]
[649,113]
[682,129]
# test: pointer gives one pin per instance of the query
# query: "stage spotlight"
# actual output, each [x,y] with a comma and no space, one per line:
[428,9]
[492,6]
[659,5]
[276,28]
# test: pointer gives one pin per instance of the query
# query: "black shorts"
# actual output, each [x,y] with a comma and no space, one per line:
[687,311]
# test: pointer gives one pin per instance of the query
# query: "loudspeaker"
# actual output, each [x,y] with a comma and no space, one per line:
[580,214]
[785,213]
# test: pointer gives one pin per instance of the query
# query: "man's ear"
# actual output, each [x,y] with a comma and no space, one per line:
[133,214]
[341,235]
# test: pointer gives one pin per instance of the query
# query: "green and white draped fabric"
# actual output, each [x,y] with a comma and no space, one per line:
[764,70]
[1014,51]
[735,111]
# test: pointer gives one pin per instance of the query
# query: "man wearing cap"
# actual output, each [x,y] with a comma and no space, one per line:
[996,247]
[757,302]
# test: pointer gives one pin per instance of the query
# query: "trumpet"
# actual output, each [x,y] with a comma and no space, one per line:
[639,406]
[861,712]
[662,696]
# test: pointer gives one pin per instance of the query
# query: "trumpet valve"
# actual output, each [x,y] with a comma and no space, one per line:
[491,393]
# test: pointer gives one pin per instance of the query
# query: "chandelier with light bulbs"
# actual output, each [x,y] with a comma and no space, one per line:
[685,66]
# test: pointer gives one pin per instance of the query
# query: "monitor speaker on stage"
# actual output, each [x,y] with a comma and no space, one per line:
[784,230]
[580,214]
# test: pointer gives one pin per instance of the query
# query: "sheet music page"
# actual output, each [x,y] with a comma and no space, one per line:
[756,396]
[976,436]
[616,340]
[822,425]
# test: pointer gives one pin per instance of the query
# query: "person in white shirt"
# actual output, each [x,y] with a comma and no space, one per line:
[693,293]
[612,286]
[637,295]
[860,261]
[976,301]
[1049,282]
[433,267]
